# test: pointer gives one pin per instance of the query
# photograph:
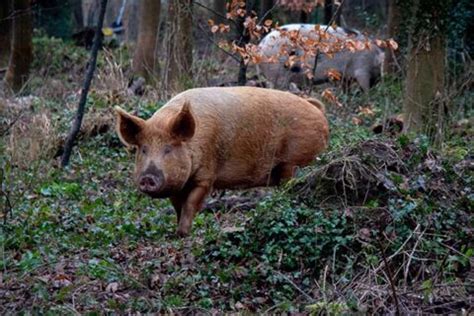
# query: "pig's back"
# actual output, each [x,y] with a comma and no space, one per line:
[244,132]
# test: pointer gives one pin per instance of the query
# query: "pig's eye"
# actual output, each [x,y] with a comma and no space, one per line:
[144,149]
[167,149]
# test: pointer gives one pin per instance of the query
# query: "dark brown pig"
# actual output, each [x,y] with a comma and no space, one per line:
[221,138]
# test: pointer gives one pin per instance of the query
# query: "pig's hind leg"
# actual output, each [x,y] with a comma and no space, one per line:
[363,79]
[282,172]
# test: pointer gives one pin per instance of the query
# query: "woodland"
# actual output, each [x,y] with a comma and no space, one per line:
[379,222]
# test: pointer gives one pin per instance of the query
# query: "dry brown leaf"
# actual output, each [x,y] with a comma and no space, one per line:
[393,45]
[112,287]
[356,120]
[61,280]
[366,111]
[334,74]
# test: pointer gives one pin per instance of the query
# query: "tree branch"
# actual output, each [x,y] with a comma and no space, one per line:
[76,126]
[317,52]
[267,13]
[213,11]
[217,45]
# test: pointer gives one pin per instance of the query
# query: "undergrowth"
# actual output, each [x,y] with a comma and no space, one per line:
[376,225]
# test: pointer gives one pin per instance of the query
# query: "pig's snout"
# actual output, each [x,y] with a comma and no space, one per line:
[151,182]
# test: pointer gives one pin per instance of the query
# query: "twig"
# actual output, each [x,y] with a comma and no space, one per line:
[267,13]
[8,209]
[399,249]
[10,125]
[213,11]
[217,45]
[410,256]
[272,308]
[76,126]
[8,206]
[455,250]
[390,278]
[447,304]
[319,40]
[309,298]
[324,282]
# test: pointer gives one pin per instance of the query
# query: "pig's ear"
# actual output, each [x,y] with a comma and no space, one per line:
[183,124]
[128,127]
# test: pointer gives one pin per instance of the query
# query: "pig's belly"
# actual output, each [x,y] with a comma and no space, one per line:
[241,176]
[242,183]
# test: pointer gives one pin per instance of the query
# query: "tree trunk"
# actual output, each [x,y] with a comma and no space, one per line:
[92,11]
[21,53]
[5,34]
[393,24]
[265,8]
[330,8]
[304,17]
[338,12]
[81,108]
[219,7]
[327,11]
[145,59]
[179,47]
[243,38]
[78,15]
[424,106]
[130,21]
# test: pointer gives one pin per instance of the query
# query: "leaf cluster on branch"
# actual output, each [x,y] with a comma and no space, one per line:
[302,5]
[322,40]
[300,49]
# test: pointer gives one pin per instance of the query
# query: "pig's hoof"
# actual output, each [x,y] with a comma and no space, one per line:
[182,233]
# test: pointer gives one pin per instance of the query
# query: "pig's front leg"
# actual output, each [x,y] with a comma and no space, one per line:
[363,78]
[191,206]
[178,201]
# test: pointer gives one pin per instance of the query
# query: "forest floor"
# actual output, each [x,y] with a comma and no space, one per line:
[378,224]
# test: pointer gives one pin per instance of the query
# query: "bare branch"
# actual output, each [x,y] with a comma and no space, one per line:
[85,90]
[214,12]
[217,45]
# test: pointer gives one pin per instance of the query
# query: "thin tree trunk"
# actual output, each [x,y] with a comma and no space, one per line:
[337,12]
[304,17]
[265,8]
[21,53]
[76,126]
[425,87]
[5,35]
[219,6]
[130,18]
[92,12]
[332,13]
[78,15]
[243,38]
[327,11]
[393,23]
[424,106]
[179,44]
[145,59]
